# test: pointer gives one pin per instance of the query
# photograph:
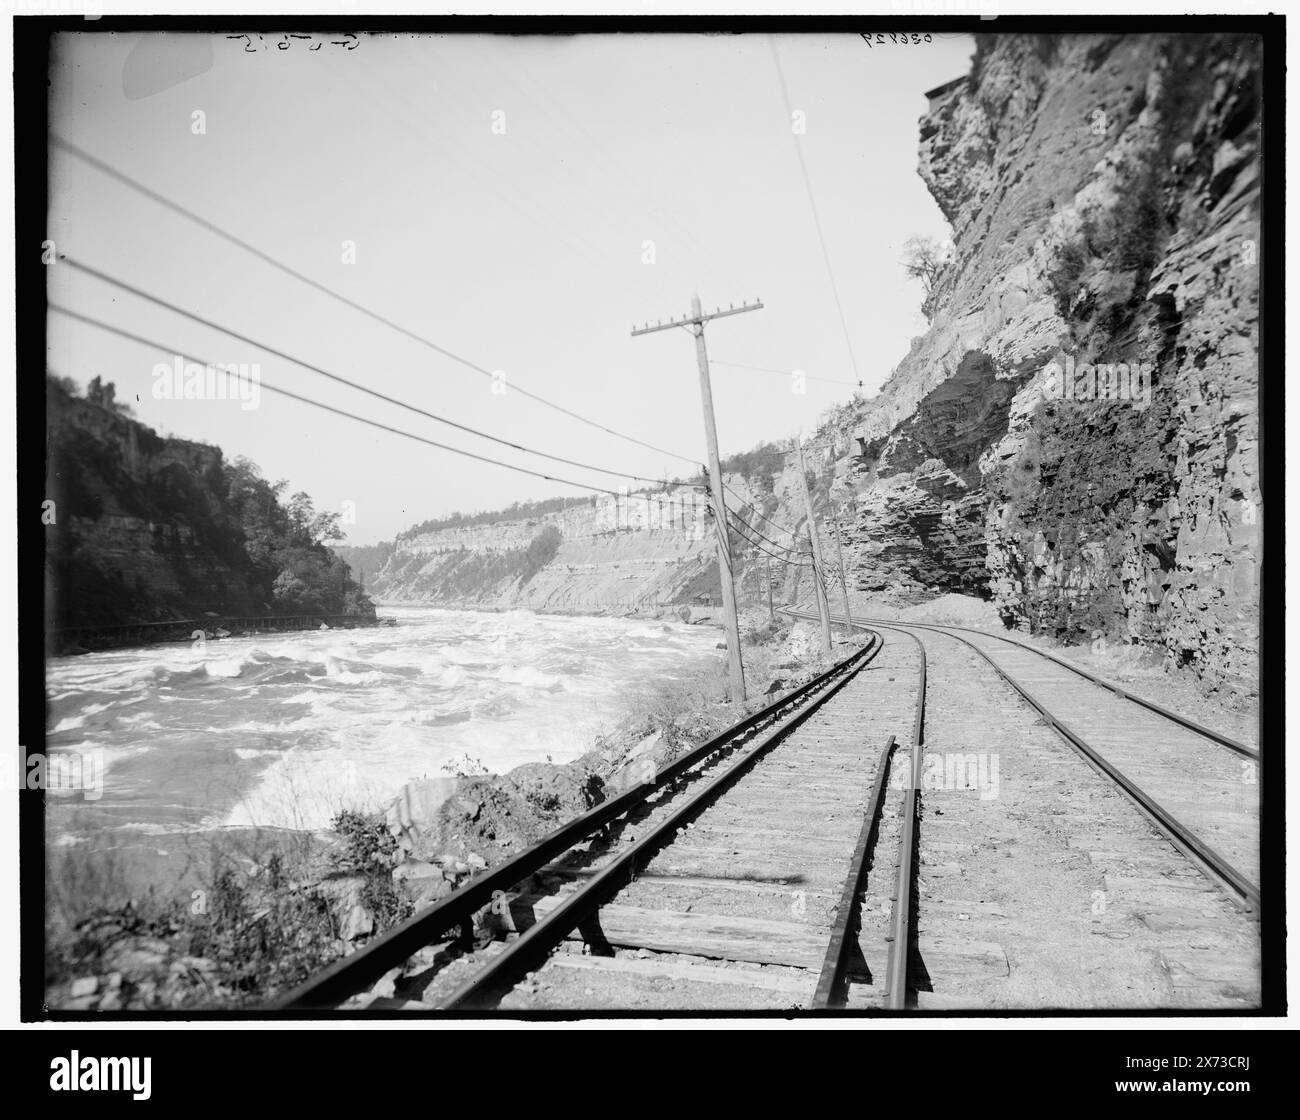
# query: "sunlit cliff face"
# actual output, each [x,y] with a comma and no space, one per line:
[1103,195]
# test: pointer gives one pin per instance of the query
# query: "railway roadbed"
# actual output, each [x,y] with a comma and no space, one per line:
[932,824]
[738,912]
[1040,884]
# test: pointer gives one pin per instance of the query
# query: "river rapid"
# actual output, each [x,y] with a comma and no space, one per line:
[283,730]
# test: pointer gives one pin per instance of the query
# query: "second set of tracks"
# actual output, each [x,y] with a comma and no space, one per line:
[791,863]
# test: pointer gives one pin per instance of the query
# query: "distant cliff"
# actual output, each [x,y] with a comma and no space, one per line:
[652,549]
[139,528]
[595,552]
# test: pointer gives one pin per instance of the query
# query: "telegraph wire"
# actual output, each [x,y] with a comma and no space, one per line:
[783,559]
[753,529]
[239,242]
[268,348]
[288,270]
[754,509]
[785,373]
[812,204]
[218,231]
[166,349]
[552,108]
[89,270]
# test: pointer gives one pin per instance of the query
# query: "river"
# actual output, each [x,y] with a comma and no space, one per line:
[283,730]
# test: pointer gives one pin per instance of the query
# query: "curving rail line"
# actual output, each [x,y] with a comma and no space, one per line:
[904,903]
[1238,886]
[832,983]
[751,739]
[700,780]
[1141,701]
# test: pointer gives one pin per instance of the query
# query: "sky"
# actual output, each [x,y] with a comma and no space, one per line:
[522,203]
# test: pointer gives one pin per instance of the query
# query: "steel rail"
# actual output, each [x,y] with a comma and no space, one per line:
[1191,725]
[532,948]
[349,975]
[830,991]
[1183,721]
[1210,862]
[900,935]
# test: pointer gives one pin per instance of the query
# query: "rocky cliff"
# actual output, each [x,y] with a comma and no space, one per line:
[141,528]
[1076,435]
[652,550]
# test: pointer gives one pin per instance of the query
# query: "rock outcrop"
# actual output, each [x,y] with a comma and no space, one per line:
[651,551]
[140,528]
[1076,436]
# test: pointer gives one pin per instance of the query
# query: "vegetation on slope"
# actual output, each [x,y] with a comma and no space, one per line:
[145,528]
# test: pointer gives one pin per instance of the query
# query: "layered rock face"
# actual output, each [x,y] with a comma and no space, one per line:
[604,552]
[1076,435]
[137,530]
[637,550]
[642,551]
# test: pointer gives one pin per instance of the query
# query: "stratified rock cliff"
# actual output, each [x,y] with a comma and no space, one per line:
[141,528]
[642,550]
[1076,435]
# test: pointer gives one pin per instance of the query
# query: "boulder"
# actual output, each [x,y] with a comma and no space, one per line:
[424,882]
[138,957]
[553,791]
[415,808]
[344,894]
[358,922]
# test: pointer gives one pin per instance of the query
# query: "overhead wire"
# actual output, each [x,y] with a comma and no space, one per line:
[812,204]
[289,270]
[753,529]
[143,340]
[314,368]
[241,243]
[785,372]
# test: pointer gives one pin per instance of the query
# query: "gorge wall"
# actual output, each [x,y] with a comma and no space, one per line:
[133,534]
[1076,435]
[642,550]
[142,528]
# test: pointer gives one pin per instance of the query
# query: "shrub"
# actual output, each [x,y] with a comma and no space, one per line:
[263,924]
[541,551]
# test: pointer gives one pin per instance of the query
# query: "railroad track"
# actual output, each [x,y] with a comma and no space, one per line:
[1177,879]
[807,859]
[744,875]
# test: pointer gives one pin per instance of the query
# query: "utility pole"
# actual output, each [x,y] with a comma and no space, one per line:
[839,556]
[696,321]
[823,608]
[771,610]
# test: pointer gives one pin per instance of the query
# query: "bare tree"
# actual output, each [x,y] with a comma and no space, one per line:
[924,258]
